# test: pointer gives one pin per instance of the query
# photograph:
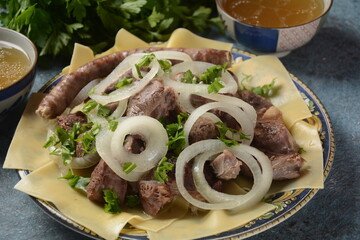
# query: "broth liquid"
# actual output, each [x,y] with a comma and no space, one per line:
[274,13]
[14,64]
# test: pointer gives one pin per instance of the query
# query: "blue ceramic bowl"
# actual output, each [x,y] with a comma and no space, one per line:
[271,40]
[15,93]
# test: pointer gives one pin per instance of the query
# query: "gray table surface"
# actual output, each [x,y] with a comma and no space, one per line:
[330,66]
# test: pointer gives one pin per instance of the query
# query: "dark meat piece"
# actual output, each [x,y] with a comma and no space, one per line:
[273,137]
[63,93]
[286,166]
[112,106]
[202,129]
[226,166]
[66,122]
[134,143]
[258,102]
[104,178]
[154,195]
[154,100]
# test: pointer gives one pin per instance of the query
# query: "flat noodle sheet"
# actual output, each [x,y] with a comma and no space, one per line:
[26,149]
[44,183]
[26,152]
[263,70]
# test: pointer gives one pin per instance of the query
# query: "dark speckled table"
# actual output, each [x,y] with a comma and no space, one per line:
[330,66]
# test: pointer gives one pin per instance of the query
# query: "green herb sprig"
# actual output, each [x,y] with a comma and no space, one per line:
[162,169]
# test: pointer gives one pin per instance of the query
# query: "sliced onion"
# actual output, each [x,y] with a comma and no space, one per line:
[252,157]
[83,94]
[172,55]
[120,109]
[110,145]
[240,116]
[262,175]
[185,156]
[247,108]
[103,143]
[151,131]
[86,161]
[129,90]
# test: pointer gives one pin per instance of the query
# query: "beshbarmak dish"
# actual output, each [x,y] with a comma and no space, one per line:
[172,137]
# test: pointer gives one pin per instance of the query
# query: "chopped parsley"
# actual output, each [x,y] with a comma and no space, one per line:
[103,111]
[89,105]
[223,129]
[211,73]
[77,182]
[176,134]
[124,82]
[63,143]
[128,167]
[165,65]
[215,86]
[189,77]
[267,90]
[144,62]
[301,150]
[132,201]
[163,167]
[112,204]
[113,125]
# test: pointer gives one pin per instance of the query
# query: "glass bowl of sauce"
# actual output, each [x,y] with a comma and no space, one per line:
[276,26]
[18,58]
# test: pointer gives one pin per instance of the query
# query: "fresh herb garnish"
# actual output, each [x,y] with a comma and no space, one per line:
[215,86]
[176,134]
[267,90]
[211,74]
[88,106]
[144,62]
[75,181]
[223,129]
[165,65]
[301,150]
[54,26]
[113,125]
[63,143]
[189,77]
[132,201]
[112,204]
[103,111]
[163,167]
[128,167]
[124,82]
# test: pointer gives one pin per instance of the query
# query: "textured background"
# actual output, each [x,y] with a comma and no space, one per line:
[330,66]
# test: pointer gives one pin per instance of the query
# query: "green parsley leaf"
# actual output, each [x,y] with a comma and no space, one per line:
[189,77]
[128,167]
[77,182]
[89,105]
[163,167]
[176,134]
[132,201]
[77,9]
[103,111]
[155,18]
[144,62]
[124,82]
[223,129]
[113,125]
[215,86]
[87,139]
[211,74]
[51,141]
[267,90]
[301,150]
[112,204]
[165,65]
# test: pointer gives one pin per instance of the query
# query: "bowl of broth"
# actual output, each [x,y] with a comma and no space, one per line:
[18,58]
[273,27]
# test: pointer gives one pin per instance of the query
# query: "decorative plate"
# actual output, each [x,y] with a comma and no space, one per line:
[287,203]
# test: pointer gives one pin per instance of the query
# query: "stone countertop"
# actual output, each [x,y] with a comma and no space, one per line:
[330,66]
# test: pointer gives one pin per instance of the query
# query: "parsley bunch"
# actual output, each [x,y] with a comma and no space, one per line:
[176,134]
[54,25]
